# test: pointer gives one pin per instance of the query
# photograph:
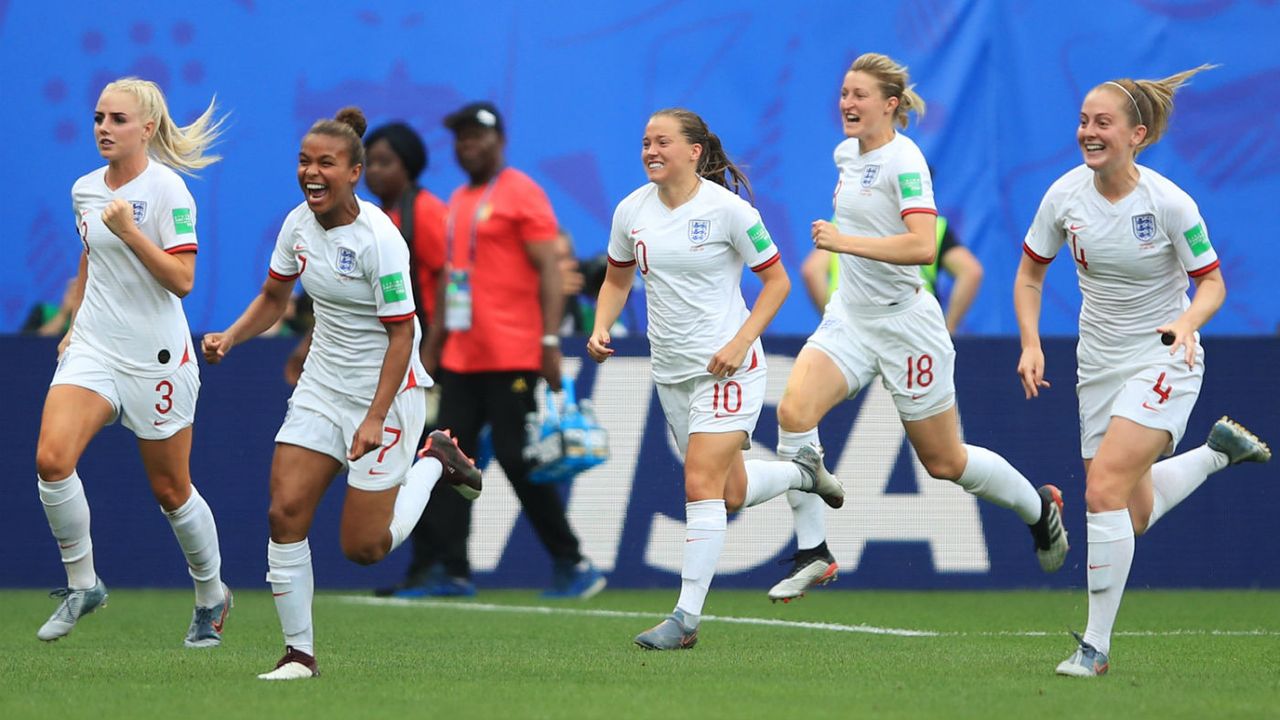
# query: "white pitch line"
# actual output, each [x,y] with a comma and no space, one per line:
[804,625]
[587,612]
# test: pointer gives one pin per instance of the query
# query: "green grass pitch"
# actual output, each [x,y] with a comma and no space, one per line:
[510,655]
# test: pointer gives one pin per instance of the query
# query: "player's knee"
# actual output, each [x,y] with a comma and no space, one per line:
[363,552]
[171,495]
[944,467]
[54,463]
[700,485]
[795,415]
[284,517]
[1103,496]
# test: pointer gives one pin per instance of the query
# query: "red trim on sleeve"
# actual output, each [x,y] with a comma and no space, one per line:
[913,211]
[396,318]
[1205,270]
[619,263]
[282,277]
[179,249]
[767,263]
[1032,254]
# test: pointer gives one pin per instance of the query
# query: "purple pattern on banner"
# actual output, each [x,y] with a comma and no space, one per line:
[578,175]
[1186,9]
[141,33]
[55,90]
[92,42]
[1222,149]
[183,32]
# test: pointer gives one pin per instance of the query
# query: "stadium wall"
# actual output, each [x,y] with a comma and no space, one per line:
[898,529]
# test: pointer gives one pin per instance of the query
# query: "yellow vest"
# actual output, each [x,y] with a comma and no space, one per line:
[928,273]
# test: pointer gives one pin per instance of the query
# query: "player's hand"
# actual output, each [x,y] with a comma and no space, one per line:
[551,366]
[1183,336]
[598,346]
[728,359]
[118,217]
[64,343]
[1031,371]
[215,346]
[368,438]
[824,235]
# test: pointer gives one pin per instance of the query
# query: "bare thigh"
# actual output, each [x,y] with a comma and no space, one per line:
[72,417]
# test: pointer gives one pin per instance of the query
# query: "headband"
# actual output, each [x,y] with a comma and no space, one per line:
[1132,99]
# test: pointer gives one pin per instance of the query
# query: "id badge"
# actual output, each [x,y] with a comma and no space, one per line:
[457,301]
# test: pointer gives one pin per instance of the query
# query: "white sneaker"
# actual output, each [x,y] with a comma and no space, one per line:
[1048,533]
[75,605]
[810,570]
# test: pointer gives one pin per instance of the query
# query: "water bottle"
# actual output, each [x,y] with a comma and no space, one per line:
[532,438]
[597,436]
[572,425]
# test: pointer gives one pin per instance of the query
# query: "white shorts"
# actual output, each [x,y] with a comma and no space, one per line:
[154,408]
[1159,395]
[907,345]
[326,422]
[708,404]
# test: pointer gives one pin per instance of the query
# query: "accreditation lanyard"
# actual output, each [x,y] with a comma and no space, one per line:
[457,293]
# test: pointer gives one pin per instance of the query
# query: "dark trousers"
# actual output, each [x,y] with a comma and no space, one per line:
[467,402]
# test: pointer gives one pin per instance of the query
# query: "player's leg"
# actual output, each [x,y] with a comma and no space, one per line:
[817,384]
[72,416]
[1125,455]
[708,461]
[299,478]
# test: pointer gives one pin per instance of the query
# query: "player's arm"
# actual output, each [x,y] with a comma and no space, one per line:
[433,343]
[967,273]
[551,296]
[776,287]
[917,246]
[394,366]
[618,279]
[265,310]
[1211,291]
[75,296]
[1028,289]
[816,273]
[175,272]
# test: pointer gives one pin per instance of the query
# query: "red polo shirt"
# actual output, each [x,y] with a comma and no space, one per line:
[429,213]
[506,307]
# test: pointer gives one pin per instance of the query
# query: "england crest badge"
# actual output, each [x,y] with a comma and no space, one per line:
[346,260]
[869,175]
[1144,227]
[139,211]
[699,231]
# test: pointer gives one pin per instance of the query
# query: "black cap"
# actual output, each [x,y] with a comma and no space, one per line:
[482,114]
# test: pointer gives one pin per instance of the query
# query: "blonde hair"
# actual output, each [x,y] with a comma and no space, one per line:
[347,124]
[1150,102]
[181,148]
[894,82]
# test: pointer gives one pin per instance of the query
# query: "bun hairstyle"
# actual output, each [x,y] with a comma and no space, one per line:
[1150,102]
[714,164]
[347,124]
[894,82]
[180,148]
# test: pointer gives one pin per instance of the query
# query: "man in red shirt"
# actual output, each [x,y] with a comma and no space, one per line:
[498,307]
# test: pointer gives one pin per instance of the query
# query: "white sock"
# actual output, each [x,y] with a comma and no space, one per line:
[809,513]
[198,536]
[1172,480]
[293,585]
[1110,557]
[412,498]
[769,479]
[705,523]
[992,478]
[789,443]
[68,512]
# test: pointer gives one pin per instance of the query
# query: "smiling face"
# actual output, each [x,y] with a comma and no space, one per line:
[325,172]
[668,156]
[385,175]
[864,110]
[119,129]
[1107,138]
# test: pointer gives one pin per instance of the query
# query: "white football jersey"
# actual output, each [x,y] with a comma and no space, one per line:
[358,277]
[126,315]
[691,259]
[873,195]
[1132,258]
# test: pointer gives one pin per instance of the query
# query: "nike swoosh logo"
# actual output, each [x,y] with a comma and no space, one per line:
[68,547]
[158,423]
[276,594]
[1145,405]
[636,230]
[721,416]
[299,247]
[689,540]
[1074,228]
[916,397]
[377,472]
[1099,567]
[217,624]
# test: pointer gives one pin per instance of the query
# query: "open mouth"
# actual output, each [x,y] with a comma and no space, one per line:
[316,192]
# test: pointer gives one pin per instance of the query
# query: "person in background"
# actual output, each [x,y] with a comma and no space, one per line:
[500,301]
[127,354]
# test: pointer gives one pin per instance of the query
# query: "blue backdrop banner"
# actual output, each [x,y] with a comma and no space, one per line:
[898,528]
[577,80]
